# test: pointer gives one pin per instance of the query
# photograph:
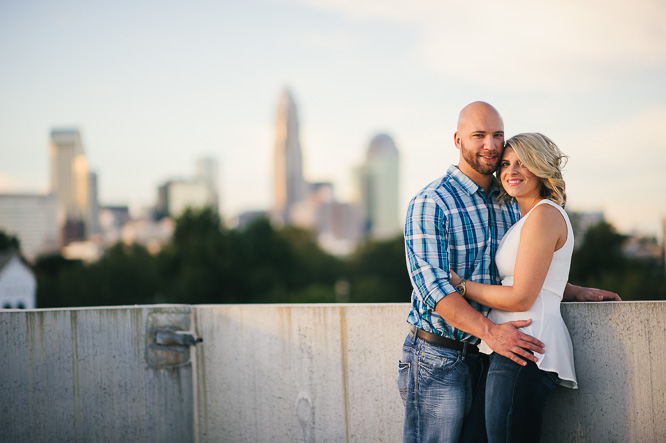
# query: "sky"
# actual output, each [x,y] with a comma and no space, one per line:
[155,85]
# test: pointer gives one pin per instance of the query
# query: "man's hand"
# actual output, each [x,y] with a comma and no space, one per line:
[507,340]
[579,293]
[594,294]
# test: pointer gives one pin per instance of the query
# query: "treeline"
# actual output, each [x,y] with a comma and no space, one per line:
[205,262]
[600,263]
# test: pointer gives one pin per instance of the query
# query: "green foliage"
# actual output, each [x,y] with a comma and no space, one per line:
[599,262]
[203,263]
[9,242]
[59,282]
[125,275]
[600,252]
[197,263]
[207,263]
[378,272]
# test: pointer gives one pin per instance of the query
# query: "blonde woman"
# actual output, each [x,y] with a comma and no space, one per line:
[533,261]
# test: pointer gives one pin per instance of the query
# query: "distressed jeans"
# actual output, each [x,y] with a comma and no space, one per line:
[515,400]
[437,386]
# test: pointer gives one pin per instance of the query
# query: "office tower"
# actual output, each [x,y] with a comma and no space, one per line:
[207,172]
[289,186]
[33,219]
[379,188]
[337,225]
[93,227]
[175,196]
[69,182]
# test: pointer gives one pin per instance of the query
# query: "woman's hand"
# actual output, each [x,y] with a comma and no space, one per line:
[455,278]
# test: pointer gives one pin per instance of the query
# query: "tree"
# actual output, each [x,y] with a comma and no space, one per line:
[600,262]
[60,282]
[9,242]
[378,273]
[195,267]
[600,252]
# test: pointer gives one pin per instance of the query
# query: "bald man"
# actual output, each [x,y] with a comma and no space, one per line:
[456,223]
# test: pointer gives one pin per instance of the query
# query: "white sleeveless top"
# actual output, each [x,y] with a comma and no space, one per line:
[547,323]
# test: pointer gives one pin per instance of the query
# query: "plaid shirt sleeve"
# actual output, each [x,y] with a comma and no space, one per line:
[426,249]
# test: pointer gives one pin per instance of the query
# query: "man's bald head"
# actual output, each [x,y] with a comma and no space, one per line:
[478,111]
[480,139]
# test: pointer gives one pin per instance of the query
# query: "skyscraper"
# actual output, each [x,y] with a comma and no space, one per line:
[379,187]
[33,219]
[289,185]
[69,182]
[207,171]
[92,223]
[175,196]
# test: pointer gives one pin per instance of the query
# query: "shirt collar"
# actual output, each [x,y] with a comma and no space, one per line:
[468,184]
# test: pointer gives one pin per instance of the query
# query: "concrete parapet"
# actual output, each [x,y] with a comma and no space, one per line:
[287,373]
[85,375]
[620,357]
[313,373]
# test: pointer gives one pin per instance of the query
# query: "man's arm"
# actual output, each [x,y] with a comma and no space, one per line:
[505,338]
[580,293]
[426,247]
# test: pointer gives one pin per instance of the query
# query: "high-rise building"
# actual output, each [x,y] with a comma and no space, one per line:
[69,182]
[92,223]
[33,218]
[289,185]
[378,182]
[207,172]
[337,225]
[175,196]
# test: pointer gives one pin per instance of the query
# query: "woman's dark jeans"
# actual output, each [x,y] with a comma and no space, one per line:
[515,400]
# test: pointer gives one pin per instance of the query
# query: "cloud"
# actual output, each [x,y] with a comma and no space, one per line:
[325,40]
[619,168]
[525,45]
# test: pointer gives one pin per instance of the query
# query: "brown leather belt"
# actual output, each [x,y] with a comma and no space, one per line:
[444,342]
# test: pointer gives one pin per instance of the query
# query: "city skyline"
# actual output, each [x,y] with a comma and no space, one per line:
[155,89]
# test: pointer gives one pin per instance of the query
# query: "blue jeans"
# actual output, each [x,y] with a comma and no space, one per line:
[437,386]
[515,400]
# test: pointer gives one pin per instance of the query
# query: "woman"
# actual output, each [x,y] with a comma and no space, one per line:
[533,261]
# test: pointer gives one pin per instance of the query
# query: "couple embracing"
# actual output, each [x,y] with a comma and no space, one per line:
[489,262]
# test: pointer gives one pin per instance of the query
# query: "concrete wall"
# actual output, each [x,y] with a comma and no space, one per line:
[287,373]
[93,375]
[620,357]
[313,373]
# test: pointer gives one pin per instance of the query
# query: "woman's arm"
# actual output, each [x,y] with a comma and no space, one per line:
[544,232]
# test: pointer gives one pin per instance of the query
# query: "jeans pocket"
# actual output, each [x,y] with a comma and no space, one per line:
[403,380]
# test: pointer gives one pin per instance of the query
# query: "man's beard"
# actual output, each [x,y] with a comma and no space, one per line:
[472,159]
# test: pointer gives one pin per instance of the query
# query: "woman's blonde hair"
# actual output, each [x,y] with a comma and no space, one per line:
[542,158]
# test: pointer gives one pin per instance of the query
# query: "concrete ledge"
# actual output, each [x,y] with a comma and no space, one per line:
[315,373]
[83,375]
[620,356]
[328,373]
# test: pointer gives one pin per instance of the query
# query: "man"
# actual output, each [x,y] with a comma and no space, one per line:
[455,223]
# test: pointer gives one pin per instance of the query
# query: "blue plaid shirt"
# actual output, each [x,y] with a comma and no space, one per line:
[452,224]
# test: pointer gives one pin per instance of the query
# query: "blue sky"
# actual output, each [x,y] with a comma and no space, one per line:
[155,85]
